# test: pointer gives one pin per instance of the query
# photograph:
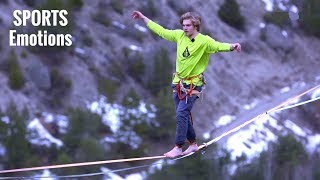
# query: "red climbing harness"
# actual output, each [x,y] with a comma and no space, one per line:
[180,89]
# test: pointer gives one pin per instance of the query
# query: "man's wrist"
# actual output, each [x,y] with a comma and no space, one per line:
[232,47]
[145,19]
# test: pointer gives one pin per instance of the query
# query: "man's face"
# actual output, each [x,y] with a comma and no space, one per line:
[188,27]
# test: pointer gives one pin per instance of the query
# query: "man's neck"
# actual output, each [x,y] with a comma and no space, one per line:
[193,35]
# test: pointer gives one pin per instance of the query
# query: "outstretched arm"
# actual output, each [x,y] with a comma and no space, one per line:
[169,35]
[215,46]
[235,46]
[139,15]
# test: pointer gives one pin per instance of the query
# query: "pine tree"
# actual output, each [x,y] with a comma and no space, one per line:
[310,17]
[229,12]
[14,138]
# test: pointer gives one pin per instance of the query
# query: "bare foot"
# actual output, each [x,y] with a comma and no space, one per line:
[191,148]
[175,152]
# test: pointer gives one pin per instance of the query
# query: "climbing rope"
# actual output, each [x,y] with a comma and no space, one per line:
[275,109]
[80,164]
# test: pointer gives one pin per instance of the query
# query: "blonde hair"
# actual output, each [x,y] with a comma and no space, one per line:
[194,17]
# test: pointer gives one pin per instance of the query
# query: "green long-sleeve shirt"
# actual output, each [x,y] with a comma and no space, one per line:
[192,57]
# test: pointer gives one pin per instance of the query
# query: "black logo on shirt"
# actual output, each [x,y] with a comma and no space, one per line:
[186,53]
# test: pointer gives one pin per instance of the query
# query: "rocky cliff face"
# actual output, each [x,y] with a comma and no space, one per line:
[114,55]
[107,42]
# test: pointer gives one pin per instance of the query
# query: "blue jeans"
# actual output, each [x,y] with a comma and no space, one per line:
[184,129]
